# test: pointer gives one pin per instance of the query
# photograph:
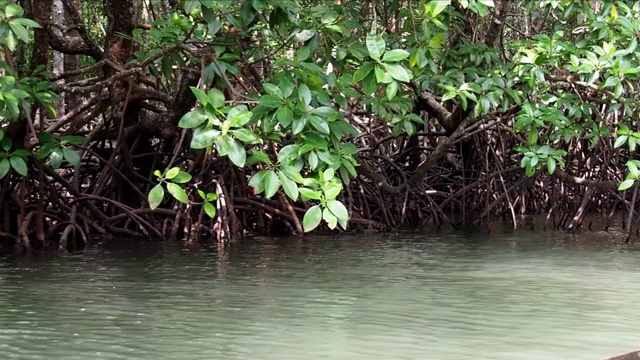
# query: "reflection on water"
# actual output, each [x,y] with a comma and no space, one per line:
[523,295]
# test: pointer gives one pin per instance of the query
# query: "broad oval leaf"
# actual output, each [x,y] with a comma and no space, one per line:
[320,124]
[71,156]
[200,95]
[5,165]
[239,115]
[209,209]
[203,138]
[310,194]
[177,192]
[330,219]
[289,186]
[271,184]
[375,45]
[395,55]
[192,119]
[237,154]
[155,196]
[312,218]
[245,135]
[18,164]
[398,72]
[173,172]
[338,209]
[626,184]
[182,177]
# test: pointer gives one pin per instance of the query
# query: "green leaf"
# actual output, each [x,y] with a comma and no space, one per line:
[239,115]
[173,172]
[284,115]
[20,30]
[209,209]
[375,45]
[177,192]
[626,184]
[56,158]
[289,186]
[261,156]
[320,124]
[398,72]
[288,152]
[304,94]
[271,101]
[13,10]
[234,150]
[362,72]
[257,180]
[5,166]
[395,55]
[310,194]
[216,98]
[200,95]
[27,22]
[330,219]
[435,7]
[182,177]
[192,119]
[73,139]
[155,196]
[292,173]
[620,141]
[312,218]
[246,136]
[392,90]
[71,156]
[551,165]
[203,138]
[45,150]
[271,184]
[338,209]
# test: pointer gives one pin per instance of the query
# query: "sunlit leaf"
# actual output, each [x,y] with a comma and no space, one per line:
[312,218]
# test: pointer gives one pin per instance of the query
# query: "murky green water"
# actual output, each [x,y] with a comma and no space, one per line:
[514,296]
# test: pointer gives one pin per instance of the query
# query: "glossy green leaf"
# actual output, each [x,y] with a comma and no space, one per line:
[304,94]
[5,166]
[319,124]
[338,209]
[172,173]
[209,209]
[395,55]
[239,115]
[56,158]
[246,136]
[289,186]
[284,116]
[177,192]
[182,177]
[236,152]
[257,181]
[192,119]
[71,156]
[312,218]
[330,219]
[200,95]
[155,196]
[216,98]
[375,45]
[626,184]
[398,72]
[261,156]
[203,138]
[271,184]
[310,194]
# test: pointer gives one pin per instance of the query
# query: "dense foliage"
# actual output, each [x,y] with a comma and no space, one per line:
[169,118]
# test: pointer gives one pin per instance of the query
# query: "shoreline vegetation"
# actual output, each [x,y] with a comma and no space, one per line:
[210,119]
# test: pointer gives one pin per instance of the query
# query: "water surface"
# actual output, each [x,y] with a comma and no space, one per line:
[523,295]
